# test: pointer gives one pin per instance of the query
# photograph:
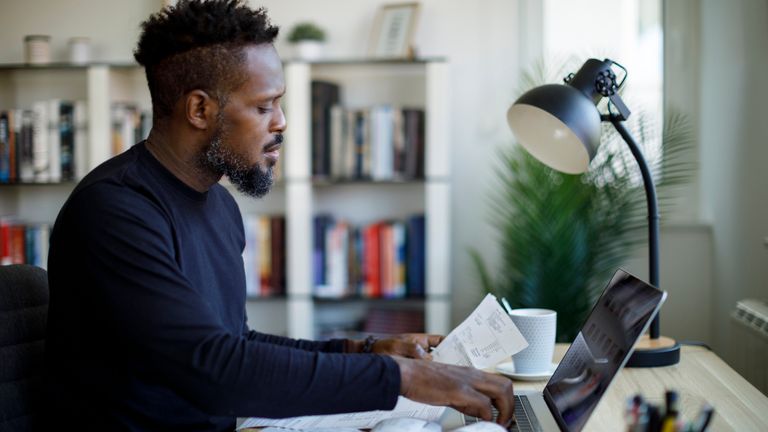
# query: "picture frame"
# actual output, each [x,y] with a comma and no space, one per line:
[393,31]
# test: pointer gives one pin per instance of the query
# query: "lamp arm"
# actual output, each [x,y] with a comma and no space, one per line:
[653,210]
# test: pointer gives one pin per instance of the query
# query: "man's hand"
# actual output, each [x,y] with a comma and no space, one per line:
[411,345]
[466,389]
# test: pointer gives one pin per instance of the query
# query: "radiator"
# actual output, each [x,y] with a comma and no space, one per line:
[749,342]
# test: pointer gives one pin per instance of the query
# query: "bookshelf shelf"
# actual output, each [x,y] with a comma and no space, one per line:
[63,66]
[271,298]
[365,182]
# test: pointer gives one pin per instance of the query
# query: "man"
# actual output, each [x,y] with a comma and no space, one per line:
[147,326]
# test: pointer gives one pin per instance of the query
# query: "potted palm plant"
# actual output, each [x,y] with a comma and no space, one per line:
[561,235]
[308,40]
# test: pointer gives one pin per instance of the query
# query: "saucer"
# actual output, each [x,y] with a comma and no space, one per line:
[508,369]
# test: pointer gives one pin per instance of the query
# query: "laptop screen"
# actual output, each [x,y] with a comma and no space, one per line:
[601,348]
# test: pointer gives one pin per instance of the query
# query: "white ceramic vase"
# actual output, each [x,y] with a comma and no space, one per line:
[308,50]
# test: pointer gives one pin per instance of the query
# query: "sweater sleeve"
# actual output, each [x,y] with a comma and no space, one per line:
[154,311]
[332,345]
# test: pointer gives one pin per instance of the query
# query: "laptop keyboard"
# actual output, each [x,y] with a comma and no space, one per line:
[525,420]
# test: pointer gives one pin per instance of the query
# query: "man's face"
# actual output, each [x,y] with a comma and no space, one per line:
[246,142]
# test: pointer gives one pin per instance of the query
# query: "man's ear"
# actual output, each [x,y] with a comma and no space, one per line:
[200,109]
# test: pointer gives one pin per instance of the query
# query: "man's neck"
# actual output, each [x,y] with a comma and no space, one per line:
[182,162]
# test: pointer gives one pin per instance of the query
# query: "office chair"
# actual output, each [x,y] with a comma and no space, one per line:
[23,314]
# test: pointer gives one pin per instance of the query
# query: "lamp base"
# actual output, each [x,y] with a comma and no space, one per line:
[649,352]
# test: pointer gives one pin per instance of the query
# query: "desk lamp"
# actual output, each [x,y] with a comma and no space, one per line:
[559,124]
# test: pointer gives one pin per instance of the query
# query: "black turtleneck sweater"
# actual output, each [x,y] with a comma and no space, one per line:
[147,327]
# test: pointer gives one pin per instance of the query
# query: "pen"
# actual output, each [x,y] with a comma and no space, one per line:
[654,419]
[705,417]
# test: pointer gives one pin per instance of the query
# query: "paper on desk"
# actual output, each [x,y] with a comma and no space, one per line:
[360,420]
[485,338]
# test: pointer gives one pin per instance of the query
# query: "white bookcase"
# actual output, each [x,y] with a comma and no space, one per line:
[364,83]
[421,83]
[99,85]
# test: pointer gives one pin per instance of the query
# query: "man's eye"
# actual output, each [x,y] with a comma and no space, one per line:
[263,110]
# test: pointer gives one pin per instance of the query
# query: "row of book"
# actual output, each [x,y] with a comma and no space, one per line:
[129,125]
[22,243]
[380,260]
[264,255]
[380,143]
[48,143]
[43,144]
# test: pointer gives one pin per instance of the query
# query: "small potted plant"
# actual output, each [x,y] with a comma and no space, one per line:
[308,40]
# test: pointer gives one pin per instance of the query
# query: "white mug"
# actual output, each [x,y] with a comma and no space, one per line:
[538,327]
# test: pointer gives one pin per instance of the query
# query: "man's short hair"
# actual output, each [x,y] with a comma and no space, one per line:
[198,44]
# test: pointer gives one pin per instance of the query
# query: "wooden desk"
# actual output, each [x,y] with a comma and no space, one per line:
[700,376]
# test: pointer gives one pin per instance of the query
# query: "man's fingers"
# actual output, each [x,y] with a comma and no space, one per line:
[416,351]
[500,390]
[506,409]
[434,340]
[478,405]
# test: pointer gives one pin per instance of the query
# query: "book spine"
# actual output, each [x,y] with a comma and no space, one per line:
[80,120]
[415,269]
[5,242]
[5,149]
[18,253]
[387,261]
[372,260]
[265,256]
[43,234]
[278,283]
[399,267]
[54,140]
[14,121]
[67,140]
[40,150]
[250,255]
[323,96]
[26,146]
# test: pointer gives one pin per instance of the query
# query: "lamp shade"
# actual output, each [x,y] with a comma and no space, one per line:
[559,125]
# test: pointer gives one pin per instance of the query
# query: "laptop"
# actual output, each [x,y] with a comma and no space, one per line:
[602,347]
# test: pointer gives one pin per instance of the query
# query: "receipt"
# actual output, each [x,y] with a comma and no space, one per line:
[359,420]
[485,338]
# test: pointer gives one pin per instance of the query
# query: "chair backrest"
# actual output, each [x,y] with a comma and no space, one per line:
[23,315]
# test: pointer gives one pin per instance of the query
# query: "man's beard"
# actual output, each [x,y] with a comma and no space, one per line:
[249,180]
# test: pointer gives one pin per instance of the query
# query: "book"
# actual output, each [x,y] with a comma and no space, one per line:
[415,256]
[40,148]
[324,95]
[413,134]
[320,223]
[5,148]
[66,132]
[25,146]
[277,252]
[80,121]
[265,256]
[251,255]
[338,142]
[381,134]
[54,107]
[372,266]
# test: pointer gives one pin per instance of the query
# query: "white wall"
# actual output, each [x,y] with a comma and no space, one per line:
[734,150]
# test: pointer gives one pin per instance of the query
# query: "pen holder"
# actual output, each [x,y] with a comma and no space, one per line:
[669,415]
